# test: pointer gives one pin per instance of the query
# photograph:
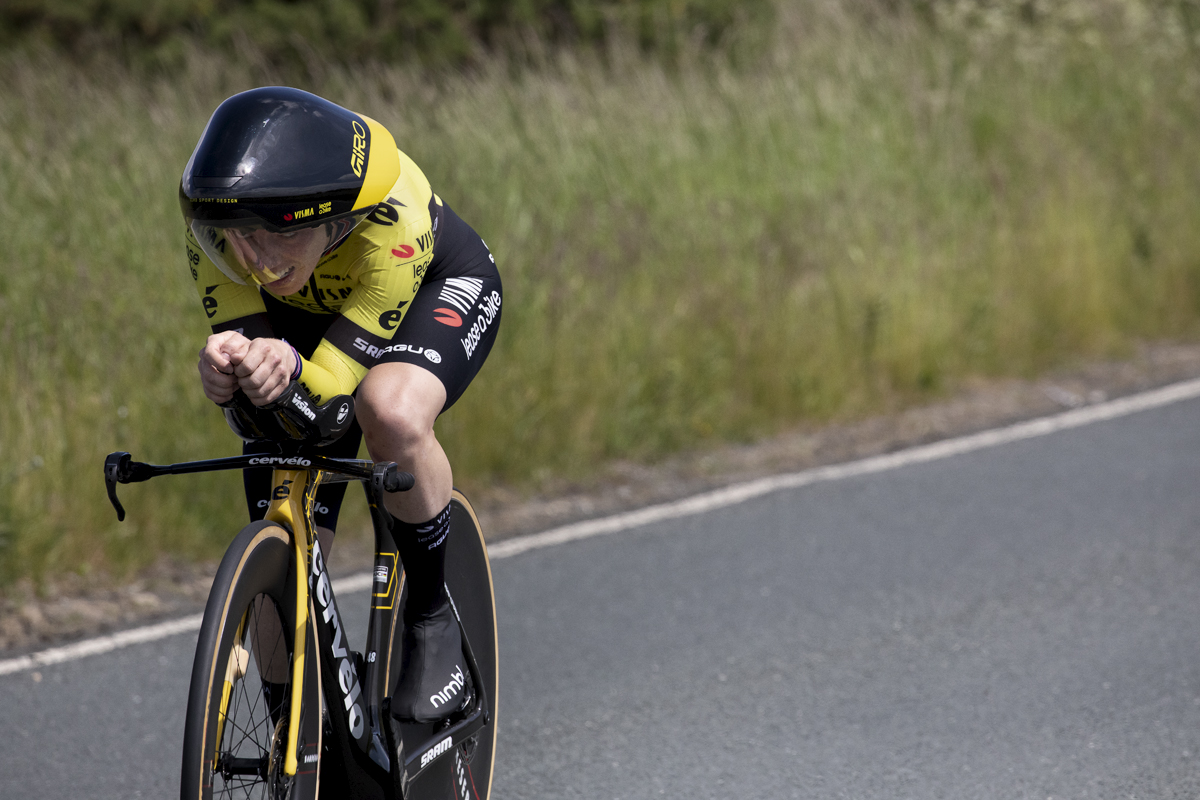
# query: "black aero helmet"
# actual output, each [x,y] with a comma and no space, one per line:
[283,160]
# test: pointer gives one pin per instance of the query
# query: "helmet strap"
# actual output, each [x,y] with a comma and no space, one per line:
[338,231]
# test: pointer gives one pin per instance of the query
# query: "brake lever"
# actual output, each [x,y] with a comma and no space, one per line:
[114,467]
[121,468]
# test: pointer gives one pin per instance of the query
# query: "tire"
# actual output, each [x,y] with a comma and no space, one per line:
[464,776]
[239,753]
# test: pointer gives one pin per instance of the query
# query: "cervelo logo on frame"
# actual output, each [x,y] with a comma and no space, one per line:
[317,509]
[347,674]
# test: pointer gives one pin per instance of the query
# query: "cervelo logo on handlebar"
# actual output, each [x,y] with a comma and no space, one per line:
[278,461]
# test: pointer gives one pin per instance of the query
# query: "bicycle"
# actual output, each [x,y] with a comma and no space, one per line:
[327,725]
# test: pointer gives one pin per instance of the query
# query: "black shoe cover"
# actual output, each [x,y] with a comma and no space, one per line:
[434,681]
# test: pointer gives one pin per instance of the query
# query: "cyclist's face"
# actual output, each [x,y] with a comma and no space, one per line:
[282,262]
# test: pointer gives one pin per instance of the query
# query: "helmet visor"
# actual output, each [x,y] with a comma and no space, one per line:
[251,252]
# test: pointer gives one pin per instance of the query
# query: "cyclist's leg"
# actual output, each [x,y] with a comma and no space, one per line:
[435,353]
[427,367]
[397,405]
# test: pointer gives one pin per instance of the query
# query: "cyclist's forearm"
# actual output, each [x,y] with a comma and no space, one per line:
[328,373]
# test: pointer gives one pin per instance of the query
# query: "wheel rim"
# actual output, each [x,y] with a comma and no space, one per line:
[242,761]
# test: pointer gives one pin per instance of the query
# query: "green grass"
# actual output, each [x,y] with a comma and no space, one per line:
[860,216]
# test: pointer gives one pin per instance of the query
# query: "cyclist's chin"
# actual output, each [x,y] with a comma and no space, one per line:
[292,281]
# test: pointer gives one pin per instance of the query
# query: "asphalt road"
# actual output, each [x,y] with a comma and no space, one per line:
[1018,622]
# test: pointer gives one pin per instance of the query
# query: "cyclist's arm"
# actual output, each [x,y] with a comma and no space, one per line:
[237,315]
[387,280]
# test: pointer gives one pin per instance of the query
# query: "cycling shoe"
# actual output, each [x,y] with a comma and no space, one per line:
[434,682]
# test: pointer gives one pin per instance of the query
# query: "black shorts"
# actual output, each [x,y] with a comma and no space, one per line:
[449,330]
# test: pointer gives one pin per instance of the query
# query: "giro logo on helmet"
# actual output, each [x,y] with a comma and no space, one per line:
[266,152]
[359,154]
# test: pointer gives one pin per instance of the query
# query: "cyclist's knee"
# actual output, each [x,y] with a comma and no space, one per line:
[394,429]
[397,405]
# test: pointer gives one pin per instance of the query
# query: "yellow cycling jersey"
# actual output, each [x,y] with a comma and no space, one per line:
[369,279]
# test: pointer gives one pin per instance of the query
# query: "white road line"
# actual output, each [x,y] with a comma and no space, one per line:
[149,633]
[699,504]
[741,492]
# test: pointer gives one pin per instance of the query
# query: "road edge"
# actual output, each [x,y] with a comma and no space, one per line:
[690,506]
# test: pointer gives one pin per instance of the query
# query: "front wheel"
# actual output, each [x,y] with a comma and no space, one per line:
[235,732]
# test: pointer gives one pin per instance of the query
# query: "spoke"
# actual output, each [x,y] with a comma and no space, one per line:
[249,730]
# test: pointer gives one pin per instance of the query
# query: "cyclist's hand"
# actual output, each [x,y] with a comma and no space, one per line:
[265,369]
[217,359]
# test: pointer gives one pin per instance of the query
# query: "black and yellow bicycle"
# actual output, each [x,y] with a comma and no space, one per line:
[280,704]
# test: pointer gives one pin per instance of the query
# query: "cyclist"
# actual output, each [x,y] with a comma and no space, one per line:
[322,255]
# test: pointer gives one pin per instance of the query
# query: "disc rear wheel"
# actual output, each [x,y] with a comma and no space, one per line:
[467,773]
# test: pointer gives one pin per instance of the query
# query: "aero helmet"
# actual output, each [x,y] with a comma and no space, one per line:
[283,160]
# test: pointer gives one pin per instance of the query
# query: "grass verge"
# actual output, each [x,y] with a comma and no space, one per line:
[869,211]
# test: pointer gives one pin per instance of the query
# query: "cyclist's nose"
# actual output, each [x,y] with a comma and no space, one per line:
[268,264]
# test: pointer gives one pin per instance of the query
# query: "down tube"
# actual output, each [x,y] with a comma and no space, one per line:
[347,698]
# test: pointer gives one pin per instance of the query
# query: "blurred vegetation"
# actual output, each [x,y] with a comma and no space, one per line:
[872,203]
[295,33]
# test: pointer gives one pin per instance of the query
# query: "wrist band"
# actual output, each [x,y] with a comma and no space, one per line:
[299,364]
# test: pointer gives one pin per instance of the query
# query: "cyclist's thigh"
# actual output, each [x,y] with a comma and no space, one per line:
[449,330]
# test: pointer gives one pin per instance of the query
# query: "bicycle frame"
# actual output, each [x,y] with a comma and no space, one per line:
[294,484]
